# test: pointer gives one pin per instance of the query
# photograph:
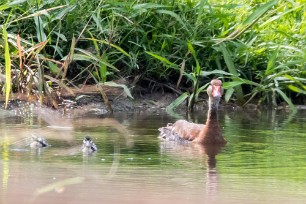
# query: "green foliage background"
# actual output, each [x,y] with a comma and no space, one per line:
[256,47]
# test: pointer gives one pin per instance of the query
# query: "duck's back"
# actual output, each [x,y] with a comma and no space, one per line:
[181,129]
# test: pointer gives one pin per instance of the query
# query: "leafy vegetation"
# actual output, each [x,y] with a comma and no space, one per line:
[256,47]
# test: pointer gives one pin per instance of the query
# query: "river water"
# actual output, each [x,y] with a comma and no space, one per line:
[264,160]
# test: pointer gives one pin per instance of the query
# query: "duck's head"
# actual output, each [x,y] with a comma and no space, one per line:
[38,142]
[88,145]
[215,92]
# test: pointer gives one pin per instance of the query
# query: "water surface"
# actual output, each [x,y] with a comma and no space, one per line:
[263,161]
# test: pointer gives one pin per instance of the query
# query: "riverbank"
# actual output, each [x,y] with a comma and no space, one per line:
[84,104]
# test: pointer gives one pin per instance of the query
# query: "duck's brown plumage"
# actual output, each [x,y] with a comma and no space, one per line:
[209,133]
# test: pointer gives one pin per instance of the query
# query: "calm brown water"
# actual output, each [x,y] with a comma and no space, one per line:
[263,162]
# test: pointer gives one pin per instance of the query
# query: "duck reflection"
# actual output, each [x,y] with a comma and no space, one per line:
[211,151]
[208,152]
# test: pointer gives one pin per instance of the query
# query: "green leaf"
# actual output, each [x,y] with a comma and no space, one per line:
[281,14]
[87,56]
[125,88]
[232,69]
[228,94]
[228,60]
[287,99]
[296,89]
[259,12]
[109,44]
[162,59]
[177,102]
[250,21]
[53,67]
[16,2]
[231,84]
[147,6]
[96,45]
[271,62]
[103,68]
[174,15]
[60,15]
[192,51]
[61,36]
[4,6]
[217,72]
[40,29]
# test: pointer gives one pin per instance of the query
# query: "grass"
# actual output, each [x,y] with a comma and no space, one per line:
[256,48]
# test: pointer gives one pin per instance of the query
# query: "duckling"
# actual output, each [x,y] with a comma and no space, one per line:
[38,142]
[88,145]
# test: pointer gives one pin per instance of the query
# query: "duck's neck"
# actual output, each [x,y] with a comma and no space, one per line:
[212,115]
[211,134]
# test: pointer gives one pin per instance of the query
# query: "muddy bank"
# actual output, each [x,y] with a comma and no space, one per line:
[92,103]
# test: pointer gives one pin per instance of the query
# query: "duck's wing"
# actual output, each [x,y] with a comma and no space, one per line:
[93,147]
[181,130]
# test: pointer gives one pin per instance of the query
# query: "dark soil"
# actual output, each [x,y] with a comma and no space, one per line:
[92,104]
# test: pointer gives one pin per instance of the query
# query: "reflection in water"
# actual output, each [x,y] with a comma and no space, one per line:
[5,166]
[116,161]
[211,172]
[149,171]
[194,150]
[58,186]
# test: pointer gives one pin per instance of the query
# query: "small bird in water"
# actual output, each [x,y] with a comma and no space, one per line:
[88,145]
[38,142]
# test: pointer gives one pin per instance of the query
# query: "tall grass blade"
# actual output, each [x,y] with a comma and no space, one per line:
[20,52]
[146,6]
[103,68]
[280,15]
[192,51]
[40,81]
[228,94]
[271,63]
[87,56]
[68,58]
[215,72]
[250,21]
[287,99]
[259,12]
[174,15]
[38,13]
[40,33]
[232,69]
[7,59]
[177,102]
[296,89]
[125,88]
[162,59]
[110,44]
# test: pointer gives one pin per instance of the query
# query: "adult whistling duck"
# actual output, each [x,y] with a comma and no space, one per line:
[209,133]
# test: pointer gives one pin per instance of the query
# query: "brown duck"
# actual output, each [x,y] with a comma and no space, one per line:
[209,133]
